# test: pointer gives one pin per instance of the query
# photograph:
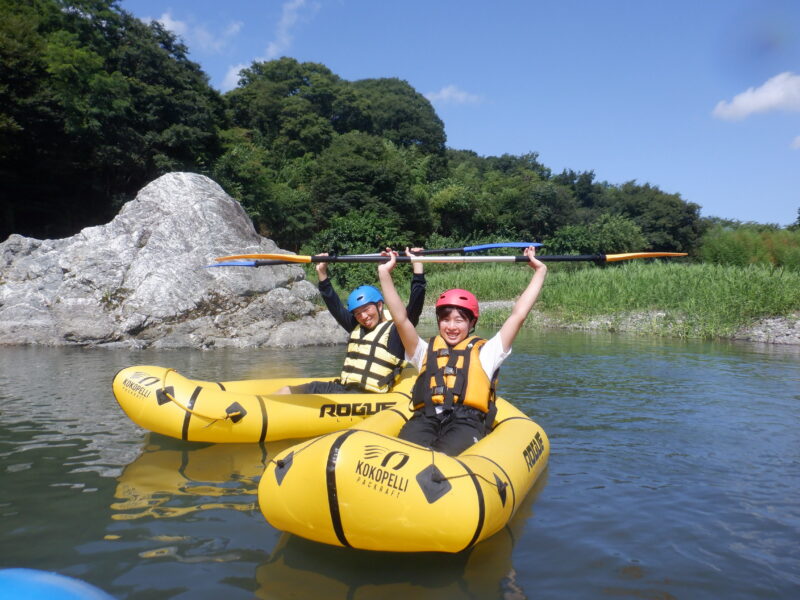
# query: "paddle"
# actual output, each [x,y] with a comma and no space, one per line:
[467,248]
[331,257]
[259,260]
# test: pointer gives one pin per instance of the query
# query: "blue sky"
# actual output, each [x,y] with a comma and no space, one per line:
[696,97]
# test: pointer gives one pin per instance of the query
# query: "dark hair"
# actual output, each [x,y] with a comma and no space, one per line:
[443,311]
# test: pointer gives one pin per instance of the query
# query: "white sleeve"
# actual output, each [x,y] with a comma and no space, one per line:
[492,355]
[419,353]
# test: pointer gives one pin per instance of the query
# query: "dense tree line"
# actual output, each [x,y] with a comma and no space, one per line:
[94,104]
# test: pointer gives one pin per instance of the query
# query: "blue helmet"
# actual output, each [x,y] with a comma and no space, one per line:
[363,294]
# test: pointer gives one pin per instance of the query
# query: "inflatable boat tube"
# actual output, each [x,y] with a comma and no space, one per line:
[163,401]
[365,488]
[33,584]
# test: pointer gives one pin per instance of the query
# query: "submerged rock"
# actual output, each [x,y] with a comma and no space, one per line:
[141,280]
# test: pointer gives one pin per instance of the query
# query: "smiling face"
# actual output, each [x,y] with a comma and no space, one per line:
[454,324]
[369,315]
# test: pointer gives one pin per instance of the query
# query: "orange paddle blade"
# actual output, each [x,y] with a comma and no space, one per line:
[630,255]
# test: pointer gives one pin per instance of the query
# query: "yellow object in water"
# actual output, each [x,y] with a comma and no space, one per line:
[162,400]
[365,488]
[172,479]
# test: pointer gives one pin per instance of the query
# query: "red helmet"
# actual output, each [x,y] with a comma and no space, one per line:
[460,298]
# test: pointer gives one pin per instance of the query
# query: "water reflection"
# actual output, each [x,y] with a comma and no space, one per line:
[298,568]
[182,483]
[674,472]
[171,478]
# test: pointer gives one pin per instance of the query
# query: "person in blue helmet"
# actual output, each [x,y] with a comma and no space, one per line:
[375,353]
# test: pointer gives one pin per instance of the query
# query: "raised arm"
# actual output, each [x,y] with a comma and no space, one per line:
[416,296]
[525,302]
[343,316]
[405,328]
[418,268]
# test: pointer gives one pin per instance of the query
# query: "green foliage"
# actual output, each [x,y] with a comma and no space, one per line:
[242,172]
[298,107]
[534,209]
[702,300]
[101,102]
[751,244]
[668,223]
[357,232]
[676,299]
[361,172]
[609,234]
[104,103]
[452,210]
[400,114]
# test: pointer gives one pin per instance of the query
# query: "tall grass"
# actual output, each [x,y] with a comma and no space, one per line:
[750,245]
[695,300]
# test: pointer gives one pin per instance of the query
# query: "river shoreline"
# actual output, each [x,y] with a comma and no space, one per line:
[769,330]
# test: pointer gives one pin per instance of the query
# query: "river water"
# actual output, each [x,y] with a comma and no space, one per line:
[674,473]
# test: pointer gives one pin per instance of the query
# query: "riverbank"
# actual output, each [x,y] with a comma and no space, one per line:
[665,299]
[771,330]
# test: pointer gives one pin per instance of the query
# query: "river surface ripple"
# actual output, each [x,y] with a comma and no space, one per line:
[674,473]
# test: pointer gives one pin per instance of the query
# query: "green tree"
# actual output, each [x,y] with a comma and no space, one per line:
[609,234]
[361,172]
[667,221]
[301,130]
[357,232]
[99,101]
[452,209]
[241,170]
[295,107]
[401,114]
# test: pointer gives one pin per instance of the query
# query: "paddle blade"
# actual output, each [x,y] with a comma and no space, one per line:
[501,245]
[631,255]
[233,263]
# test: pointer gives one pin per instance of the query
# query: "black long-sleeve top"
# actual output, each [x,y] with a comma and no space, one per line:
[346,319]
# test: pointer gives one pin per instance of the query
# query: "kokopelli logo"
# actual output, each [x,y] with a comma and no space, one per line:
[143,378]
[139,383]
[382,478]
[399,459]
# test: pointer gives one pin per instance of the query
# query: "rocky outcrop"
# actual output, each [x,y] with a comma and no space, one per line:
[141,280]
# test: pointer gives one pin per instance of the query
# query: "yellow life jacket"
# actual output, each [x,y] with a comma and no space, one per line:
[453,375]
[369,364]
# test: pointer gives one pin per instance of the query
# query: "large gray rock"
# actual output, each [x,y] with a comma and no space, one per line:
[140,280]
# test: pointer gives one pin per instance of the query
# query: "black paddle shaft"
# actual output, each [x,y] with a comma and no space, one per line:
[596,258]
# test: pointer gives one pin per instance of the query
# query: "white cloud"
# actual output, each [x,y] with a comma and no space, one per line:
[796,143]
[231,79]
[781,92]
[233,29]
[215,43]
[451,94]
[197,37]
[291,14]
[177,27]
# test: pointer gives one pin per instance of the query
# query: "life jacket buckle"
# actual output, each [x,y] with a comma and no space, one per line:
[438,390]
[450,370]
[441,352]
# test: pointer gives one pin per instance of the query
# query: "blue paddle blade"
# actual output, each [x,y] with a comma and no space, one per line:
[500,245]
[233,263]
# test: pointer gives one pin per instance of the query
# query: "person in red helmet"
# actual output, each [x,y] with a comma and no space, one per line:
[453,397]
